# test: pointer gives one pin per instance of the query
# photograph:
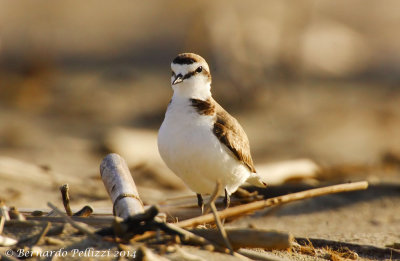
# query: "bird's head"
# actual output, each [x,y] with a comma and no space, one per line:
[191,76]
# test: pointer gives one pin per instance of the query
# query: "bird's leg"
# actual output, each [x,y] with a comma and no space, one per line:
[227,199]
[200,202]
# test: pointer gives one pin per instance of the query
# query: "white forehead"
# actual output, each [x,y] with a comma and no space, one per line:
[185,68]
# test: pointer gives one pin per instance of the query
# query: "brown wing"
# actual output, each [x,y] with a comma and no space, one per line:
[231,134]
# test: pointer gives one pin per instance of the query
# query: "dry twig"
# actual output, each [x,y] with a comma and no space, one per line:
[146,222]
[191,238]
[86,230]
[84,212]
[65,198]
[251,207]
[221,228]
[15,214]
[42,233]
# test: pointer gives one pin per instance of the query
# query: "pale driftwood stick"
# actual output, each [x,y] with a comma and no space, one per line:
[86,230]
[120,186]
[65,198]
[251,207]
[84,212]
[249,238]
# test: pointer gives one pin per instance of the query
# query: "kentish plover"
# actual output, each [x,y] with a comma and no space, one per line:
[198,140]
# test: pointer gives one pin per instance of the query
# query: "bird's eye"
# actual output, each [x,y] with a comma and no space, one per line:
[199,69]
[172,73]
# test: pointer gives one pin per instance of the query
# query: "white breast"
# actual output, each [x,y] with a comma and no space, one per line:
[192,151]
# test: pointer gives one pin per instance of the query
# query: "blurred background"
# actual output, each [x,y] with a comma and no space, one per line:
[306,79]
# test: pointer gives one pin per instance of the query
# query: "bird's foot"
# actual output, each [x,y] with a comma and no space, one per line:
[227,199]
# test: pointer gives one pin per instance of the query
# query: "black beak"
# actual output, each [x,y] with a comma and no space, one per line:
[178,79]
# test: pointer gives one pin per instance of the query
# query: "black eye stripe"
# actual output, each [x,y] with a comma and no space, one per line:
[189,74]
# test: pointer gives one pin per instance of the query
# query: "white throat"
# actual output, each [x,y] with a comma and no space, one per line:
[192,89]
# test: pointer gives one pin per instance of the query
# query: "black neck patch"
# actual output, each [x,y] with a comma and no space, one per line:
[183,60]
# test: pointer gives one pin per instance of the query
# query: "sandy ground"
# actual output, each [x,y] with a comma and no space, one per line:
[315,81]
[346,130]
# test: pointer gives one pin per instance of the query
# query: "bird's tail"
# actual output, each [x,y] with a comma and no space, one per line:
[256,180]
